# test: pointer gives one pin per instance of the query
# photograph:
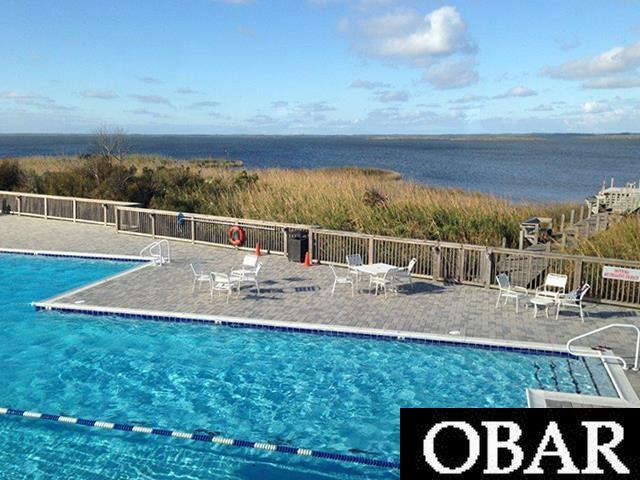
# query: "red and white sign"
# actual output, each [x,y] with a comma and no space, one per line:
[619,273]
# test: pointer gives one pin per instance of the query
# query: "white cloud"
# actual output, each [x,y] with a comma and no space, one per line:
[388,96]
[469,98]
[542,108]
[518,91]
[33,100]
[246,31]
[204,104]
[614,68]
[615,60]
[613,82]
[452,74]
[151,80]
[404,35]
[368,85]
[154,99]
[595,107]
[142,111]
[100,94]
[186,91]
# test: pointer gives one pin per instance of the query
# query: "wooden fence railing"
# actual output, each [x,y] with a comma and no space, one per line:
[204,229]
[445,261]
[83,210]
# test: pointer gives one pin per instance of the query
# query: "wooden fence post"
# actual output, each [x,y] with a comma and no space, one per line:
[581,212]
[460,269]
[577,273]
[521,240]
[370,251]
[437,261]
[572,218]
[487,266]
[285,241]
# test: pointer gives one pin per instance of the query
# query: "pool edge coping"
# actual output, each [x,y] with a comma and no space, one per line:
[621,383]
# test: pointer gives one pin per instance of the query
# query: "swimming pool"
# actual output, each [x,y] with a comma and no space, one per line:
[336,394]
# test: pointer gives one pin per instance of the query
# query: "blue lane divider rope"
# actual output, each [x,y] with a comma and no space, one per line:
[305,452]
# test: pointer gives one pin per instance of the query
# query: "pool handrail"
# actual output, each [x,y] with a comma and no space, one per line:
[608,356]
[156,251]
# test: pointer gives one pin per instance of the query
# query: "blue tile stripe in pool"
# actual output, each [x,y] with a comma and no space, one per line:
[305,452]
[35,253]
[308,330]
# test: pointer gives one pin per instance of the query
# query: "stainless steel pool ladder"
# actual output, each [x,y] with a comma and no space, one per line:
[156,250]
[600,354]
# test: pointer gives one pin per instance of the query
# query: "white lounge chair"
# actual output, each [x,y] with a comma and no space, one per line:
[221,282]
[573,300]
[247,276]
[554,286]
[341,280]
[405,272]
[508,291]
[199,275]
[384,282]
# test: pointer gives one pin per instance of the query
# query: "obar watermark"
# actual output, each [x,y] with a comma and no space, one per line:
[519,443]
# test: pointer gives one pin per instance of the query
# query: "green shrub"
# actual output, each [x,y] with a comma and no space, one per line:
[11,175]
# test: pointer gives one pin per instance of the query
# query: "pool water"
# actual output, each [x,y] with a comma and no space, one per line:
[335,394]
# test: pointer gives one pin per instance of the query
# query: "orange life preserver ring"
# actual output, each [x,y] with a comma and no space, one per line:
[236,236]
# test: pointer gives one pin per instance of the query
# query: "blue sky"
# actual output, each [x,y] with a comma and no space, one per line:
[320,66]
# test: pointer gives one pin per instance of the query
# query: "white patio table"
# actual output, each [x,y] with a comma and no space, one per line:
[376,269]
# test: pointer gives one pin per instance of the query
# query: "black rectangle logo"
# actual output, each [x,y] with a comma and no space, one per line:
[598,443]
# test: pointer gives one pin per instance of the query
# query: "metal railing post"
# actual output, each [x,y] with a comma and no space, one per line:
[46,207]
[193,230]
[19,198]
[75,210]
[104,213]
[370,252]
[153,225]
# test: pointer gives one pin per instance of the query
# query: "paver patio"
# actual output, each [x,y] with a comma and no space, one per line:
[294,293]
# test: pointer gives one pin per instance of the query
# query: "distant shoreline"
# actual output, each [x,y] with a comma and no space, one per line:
[370,136]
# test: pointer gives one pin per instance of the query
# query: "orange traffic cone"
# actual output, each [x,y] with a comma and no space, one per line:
[258,252]
[307,260]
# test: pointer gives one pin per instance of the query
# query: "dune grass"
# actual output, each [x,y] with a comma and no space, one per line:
[352,199]
[621,240]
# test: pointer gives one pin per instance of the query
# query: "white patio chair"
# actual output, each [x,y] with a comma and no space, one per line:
[199,275]
[247,276]
[353,261]
[573,300]
[249,264]
[554,286]
[384,282]
[405,272]
[508,291]
[221,282]
[341,280]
